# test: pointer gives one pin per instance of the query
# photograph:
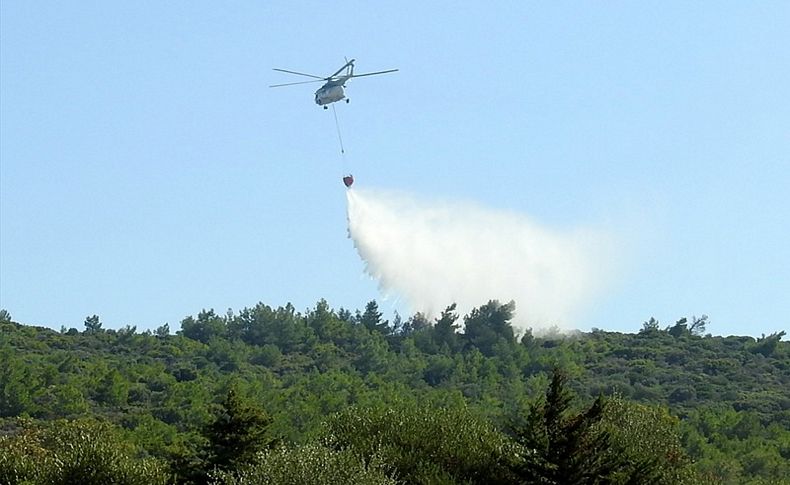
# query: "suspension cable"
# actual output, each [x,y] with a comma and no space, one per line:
[337,124]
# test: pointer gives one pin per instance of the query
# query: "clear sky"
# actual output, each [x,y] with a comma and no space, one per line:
[147,171]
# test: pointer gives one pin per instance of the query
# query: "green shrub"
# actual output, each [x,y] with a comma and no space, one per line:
[75,452]
[310,464]
[425,445]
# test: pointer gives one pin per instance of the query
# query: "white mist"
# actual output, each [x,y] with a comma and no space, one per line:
[433,253]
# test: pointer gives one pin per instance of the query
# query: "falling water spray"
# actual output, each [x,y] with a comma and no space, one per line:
[432,253]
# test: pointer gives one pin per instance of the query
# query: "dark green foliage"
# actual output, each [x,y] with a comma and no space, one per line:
[239,431]
[645,442]
[76,452]
[415,324]
[207,326]
[766,346]
[732,394]
[112,389]
[711,433]
[612,442]
[488,325]
[680,328]
[445,330]
[15,384]
[698,325]
[650,327]
[310,464]
[424,444]
[371,318]
[281,327]
[92,324]
[162,331]
[565,447]
[186,454]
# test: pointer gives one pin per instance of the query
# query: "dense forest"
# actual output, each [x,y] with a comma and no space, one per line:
[275,395]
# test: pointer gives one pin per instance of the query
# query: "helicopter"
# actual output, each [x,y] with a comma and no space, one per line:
[332,90]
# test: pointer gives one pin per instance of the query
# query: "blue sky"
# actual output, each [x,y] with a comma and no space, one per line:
[146,170]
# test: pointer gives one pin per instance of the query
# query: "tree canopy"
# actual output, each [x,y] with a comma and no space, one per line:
[239,397]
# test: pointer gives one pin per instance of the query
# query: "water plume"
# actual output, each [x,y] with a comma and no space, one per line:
[431,253]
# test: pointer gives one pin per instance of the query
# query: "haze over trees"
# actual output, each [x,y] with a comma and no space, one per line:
[275,395]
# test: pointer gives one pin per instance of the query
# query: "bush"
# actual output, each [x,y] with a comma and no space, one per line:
[424,445]
[69,452]
[310,464]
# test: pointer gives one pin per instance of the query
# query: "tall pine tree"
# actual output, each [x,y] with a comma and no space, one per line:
[239,431]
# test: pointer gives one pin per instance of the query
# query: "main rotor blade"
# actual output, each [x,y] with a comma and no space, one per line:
[291,84]
[348,63]
[299,73]
[374,73]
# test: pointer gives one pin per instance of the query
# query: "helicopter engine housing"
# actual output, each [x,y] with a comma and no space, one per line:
[329,94]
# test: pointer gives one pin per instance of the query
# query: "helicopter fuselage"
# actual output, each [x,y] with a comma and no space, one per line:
[329,94]
[331,91]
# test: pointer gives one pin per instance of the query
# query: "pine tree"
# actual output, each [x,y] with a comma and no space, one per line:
[371,319]
[239,431]
[93,325]
[563,448]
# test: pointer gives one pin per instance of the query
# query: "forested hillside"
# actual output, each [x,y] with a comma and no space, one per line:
[264,394]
